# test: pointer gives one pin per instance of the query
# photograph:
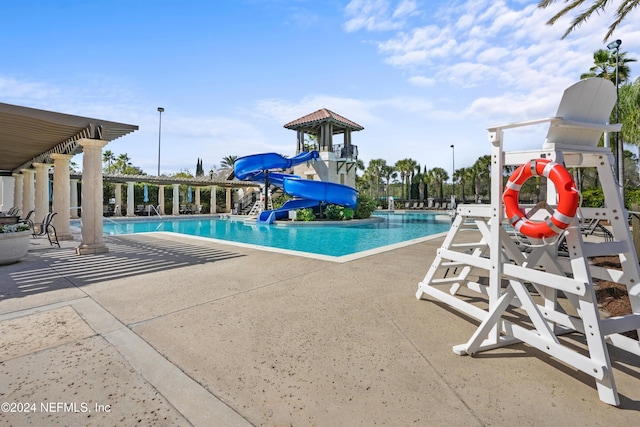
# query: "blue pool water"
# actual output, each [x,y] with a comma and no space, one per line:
[332,240]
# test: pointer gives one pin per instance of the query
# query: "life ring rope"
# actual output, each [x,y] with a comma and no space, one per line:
[569,199]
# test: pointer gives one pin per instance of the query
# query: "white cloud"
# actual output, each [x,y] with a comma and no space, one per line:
[13,89]
[405,8]
[422,81]
[377,15]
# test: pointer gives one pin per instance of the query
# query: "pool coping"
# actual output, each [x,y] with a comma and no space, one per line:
[337,259]
[244,218]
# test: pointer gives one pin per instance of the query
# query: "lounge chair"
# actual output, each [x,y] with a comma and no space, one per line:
[595,228]
[46,228]
[421,205]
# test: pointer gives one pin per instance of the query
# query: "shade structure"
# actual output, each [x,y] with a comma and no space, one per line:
[146,193]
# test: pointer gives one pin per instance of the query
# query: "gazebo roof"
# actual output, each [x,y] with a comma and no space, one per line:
[311,122]
[28,135]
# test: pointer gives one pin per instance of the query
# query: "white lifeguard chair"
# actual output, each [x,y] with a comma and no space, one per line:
[482,255]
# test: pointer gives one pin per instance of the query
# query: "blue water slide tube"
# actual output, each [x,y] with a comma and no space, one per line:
[307,192]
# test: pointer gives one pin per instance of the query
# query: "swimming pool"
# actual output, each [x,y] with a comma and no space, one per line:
[331,240]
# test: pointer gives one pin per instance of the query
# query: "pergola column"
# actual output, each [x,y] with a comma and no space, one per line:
[197,198]
[213,208]
[130,200]
[17,191]
[92,195]
[61,195]
[73,197]
[176,200]
[118,209]
[227,202]
[42,191]
[28,192]
[161,199]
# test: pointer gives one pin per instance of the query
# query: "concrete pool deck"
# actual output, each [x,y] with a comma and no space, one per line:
[171,330]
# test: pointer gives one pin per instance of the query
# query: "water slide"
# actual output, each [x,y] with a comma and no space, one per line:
[307,192]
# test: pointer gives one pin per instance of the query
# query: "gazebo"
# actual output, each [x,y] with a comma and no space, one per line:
[338,159]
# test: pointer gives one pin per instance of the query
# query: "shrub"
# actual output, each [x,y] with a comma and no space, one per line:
[279,201]
[334,212]
[13,228]
[592,198]
[365,207]
[347,213]
[305,215]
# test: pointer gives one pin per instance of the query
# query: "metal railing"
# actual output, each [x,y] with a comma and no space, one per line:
[346,152]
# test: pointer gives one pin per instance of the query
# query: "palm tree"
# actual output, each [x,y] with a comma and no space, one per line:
[108,157]
[228,162]
[605,66]
[482,171]
[461,175]
[598,7]
[406,167]
[122,162]
[375,171]
[402,167]
[388,173]
[629,108]
[439,176]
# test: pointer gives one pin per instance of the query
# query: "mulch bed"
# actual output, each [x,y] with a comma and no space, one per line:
[612,297]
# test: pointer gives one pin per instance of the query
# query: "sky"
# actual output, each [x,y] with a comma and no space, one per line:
[418,75]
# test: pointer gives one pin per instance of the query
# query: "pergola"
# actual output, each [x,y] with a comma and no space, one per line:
[31,140]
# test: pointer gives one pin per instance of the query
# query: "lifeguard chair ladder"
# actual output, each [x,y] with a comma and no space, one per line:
[486,259]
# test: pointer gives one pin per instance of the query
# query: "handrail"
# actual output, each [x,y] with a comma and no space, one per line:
[156,211]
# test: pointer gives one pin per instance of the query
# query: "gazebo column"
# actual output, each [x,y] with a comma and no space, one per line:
[28,192]
[161,199]
[176,200]
[197,199]
[17,191]
[7,188]
[42,191]
[213,209]
[118,208]
[61,195]
[130,199]
[73,198]
[300,141]
[227,202]
[92,195]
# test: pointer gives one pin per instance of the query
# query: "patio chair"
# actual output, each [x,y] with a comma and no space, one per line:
[46,228]
[27,219]
[14,211]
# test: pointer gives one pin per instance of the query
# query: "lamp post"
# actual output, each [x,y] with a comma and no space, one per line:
[160,110]
[453,171]
[619,151]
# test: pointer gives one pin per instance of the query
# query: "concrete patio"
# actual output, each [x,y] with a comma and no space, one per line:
[170,330]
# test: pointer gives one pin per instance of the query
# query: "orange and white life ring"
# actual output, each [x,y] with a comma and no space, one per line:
[568,199]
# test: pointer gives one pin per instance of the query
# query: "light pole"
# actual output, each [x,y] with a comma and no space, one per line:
[619,151]
[453,171]
[160,110]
